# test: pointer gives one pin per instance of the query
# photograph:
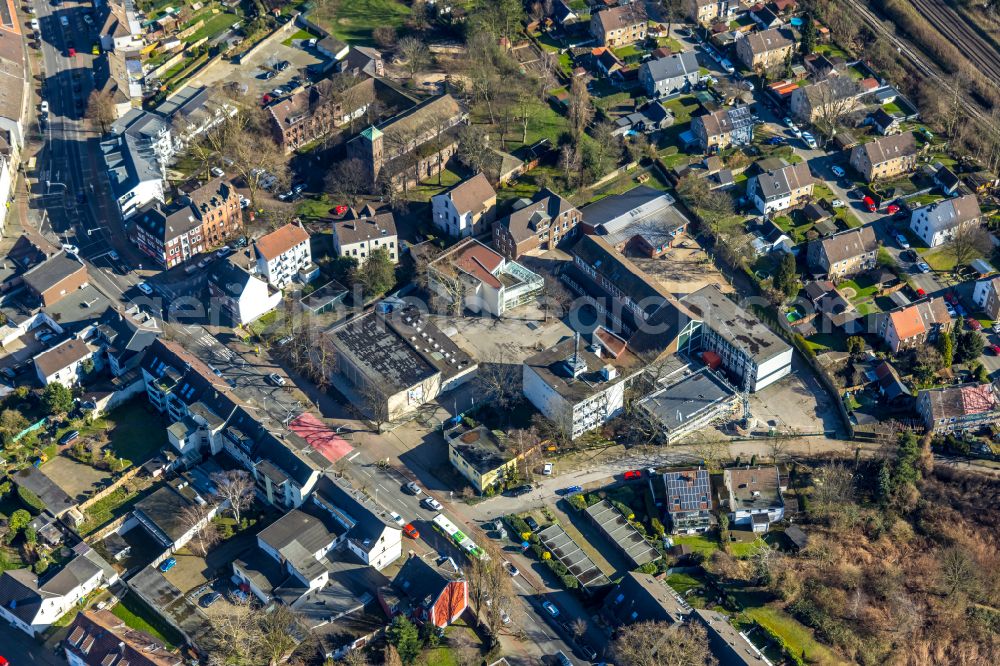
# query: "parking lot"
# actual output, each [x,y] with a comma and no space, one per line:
[510,339]
[796,403]
[75,479]
[250,71]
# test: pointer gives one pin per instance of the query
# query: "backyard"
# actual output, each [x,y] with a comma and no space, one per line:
[136,614]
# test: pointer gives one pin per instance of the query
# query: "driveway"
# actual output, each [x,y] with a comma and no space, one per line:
[21,650]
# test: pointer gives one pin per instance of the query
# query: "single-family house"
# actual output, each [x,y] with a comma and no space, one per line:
[479,455]
[778,189]
[427,594]
[752,496]
[986,296]
[467,209]
[100,638]
[360,233]
[706,12]
[723,128]
[946,179]
[240,294]
[68,363]
[884,122]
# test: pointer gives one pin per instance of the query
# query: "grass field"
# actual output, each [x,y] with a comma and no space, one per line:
[699,543]
[353,22]
[682,582]
[108,508]
[134,613]
[215,24]
[941,258]
[129,430]
[796,635]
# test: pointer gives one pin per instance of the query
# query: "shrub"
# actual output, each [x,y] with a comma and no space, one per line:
[625,510]
[658,528]
[518,525]
[577,502]
[30,499]
[569,582]
[546,555]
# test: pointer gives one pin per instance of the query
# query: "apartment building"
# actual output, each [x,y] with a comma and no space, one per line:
[959,408]
[282,254]
[885,157]
[765,49]
[707,12]
[467,209]
[724,128]
[845,254]
[937,223]
[619,26]
[360,233]
[776,190]
[539,224]
[471,275]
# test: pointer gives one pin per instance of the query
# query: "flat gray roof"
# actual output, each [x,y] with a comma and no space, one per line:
[621,532]
[688,398]
[572,556]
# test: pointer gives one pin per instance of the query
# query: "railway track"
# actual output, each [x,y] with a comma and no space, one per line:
[918,60]
[976,48]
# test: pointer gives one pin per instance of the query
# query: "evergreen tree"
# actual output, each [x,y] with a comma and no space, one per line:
[946,347]
[808,42]
[405,637]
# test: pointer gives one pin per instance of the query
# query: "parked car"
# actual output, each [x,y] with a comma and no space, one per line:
[113,255]
[547,469]
[923,267]
[973,323]
[209,599]
[747,85]
[144,288]
[995,349]
[727,65]
[633,474]
[796,132]
[8,373]
[413,488]
[908,255]
[571,490]
[510,568]
[531,523]
[788,122]
[168,564]
[396,518]
[951,310]
[517,492]
[71,52]
[777,141]
[431,504]
[87,19]
[892,209]
[903,243]
[869,204]
[838,171]
[837,203]
[411,531]
[276,379]
[550,608]
[810,140]
[217,172]
[64,21]
[35,25]
[71,436]
[960,310]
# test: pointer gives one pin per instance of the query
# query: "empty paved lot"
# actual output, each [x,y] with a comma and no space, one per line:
[248,71]
[75,479]
[683,270]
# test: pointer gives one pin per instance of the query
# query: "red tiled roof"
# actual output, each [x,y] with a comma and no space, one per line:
[907,322]
[280,241]
[480,262]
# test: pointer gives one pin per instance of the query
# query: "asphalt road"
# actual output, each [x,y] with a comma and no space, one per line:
[20,650]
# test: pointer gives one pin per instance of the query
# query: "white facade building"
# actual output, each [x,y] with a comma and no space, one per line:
[937,223]
[360,234]
[282,254]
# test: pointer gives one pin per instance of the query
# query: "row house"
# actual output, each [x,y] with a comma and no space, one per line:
[886,157]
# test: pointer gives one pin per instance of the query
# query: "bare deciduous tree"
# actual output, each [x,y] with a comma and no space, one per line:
[662,644]
[969,241]
[498,379]
[581,108]
[415,53]
[834,98]
[490,590]
[198,518]
[101,109]
[347,182]
[249,637]
[236,487]
[375,404]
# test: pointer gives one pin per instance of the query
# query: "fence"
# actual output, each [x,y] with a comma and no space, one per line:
[115,525]
[118,483]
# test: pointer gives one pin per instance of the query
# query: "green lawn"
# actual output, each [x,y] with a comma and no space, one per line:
[682,107]
[425,190]
[863,288]
[215,24]
[796,635]
[353,22]
[826,341]
[135,614]
[108,508]
[698,543]
[314,208]
[10,559]
[299,34]
[940,258]
[682,582]
[742,549]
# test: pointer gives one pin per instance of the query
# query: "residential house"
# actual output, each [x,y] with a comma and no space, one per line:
[100,638]
[216,204]
[890,386]
[578,388]
[435,596]
[563,14]
[946,179]
[539,224]
[937,223]
[67,363]
[282,255]
[845,254]
[428,131]
[886,157]
[619,26]
[55,278]
[358,234]
[166,514]
[688,500]
[33,604]
[16,88]
[832,97]
[642,220]
[986,296]
[670,76]
[648,118]
[764,17]
[959,408]
[768,237]
[241,295]
[723,129]
[607,63]
[728,644]
[884,122]
[124,335]
[486,461]
[914,324]
[764,49]
[776,190]
[8,166]
[707,12]
[641,597]
[396,360]
[471,275]
[116,33]
[467,209]
[752,496]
